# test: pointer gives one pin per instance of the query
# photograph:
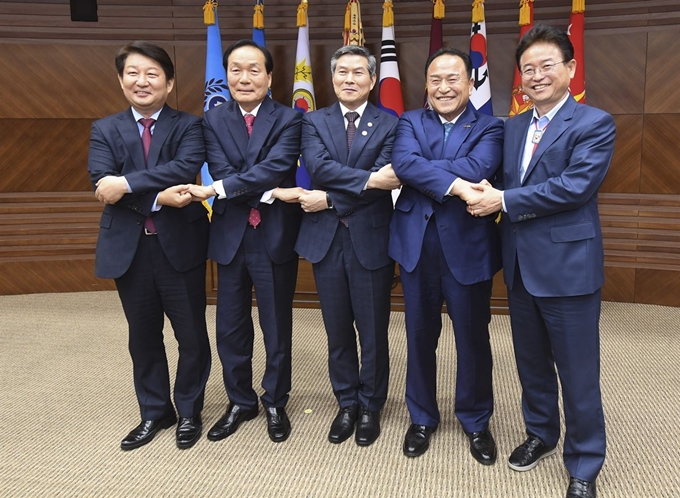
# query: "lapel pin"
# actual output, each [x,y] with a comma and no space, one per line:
[369,124]
[466,126]
[364,133]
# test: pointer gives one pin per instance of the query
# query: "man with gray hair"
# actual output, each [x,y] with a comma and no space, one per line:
[347,150]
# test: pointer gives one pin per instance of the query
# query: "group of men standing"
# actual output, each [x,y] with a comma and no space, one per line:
[457,169]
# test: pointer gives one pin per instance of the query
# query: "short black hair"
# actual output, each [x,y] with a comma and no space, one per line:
[148,50]
[268,59]
[451,51]
[542,33]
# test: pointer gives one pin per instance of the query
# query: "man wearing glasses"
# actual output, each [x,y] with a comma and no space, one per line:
[554,161]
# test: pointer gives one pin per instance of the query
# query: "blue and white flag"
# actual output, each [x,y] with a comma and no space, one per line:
[216,90]
[481,94]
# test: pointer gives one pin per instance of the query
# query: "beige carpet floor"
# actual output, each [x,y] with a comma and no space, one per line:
[66,400]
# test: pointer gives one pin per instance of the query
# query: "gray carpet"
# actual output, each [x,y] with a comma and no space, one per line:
[67,400]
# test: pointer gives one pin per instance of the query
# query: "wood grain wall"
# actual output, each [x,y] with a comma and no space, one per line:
[57,76]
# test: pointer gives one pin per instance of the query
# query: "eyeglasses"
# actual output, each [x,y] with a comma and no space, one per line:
[544,69]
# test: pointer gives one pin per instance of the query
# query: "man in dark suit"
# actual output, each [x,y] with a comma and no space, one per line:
[347,149]
[153,240]
[445,255]
[253,145]
[554,161]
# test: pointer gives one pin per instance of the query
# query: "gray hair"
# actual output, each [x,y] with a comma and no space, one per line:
[354,50]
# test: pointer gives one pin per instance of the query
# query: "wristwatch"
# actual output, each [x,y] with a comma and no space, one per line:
[329,202]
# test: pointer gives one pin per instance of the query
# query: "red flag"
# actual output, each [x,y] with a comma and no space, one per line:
[519,101]
[577,87]
[436,34]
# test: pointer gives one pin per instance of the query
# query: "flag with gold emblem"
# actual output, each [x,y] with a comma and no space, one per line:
[303,85]
[353,30]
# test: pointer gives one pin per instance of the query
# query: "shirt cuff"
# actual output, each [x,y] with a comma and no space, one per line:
[448,192]
[267,197]
[505,210]
[219,188]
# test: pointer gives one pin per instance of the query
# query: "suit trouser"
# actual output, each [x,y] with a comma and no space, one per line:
[149,288]
[274,287]
[562,332]
[425,290]
[350,293]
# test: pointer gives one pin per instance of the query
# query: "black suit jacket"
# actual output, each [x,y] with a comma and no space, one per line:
[343,174]
[176,155]
[248,168]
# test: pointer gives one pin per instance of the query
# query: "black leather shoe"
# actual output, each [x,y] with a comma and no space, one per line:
[368,427]
[581,489]
[188,431]
[145,432]
[228,424]
[527,455]
[343,424]
[278,425]
[483,447]
[417,440]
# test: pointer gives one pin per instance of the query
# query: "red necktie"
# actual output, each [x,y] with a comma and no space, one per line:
[147,123]
[254,216]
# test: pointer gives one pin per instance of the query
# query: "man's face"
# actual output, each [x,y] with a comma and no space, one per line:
[247,76]
[352,81]
[144,84]
[551,76]
[448,86]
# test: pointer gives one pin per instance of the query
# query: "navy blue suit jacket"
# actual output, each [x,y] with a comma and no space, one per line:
[552,226]
[176,155]
[343,174]
[248,168]
[427,167]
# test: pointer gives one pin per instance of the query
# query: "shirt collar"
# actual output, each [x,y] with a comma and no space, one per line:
[453,121]
[551,114]
[253,112]
[138,116]
[359,110]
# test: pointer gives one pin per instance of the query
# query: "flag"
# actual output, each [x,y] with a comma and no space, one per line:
[390,98]
[258,23]
[216,91]
[519,101]
[436,34]
[577,87]
[353,31]
[303,86]
[481,93]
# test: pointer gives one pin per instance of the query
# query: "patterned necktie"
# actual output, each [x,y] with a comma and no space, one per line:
[447,130]
[254,216]
[351,127]
[147,123]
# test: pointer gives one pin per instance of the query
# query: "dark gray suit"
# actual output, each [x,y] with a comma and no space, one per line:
[352,270]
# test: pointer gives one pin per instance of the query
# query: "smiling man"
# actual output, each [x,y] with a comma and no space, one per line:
[554,161]
[153,239]
[253,146]
[446,255]
[347,149]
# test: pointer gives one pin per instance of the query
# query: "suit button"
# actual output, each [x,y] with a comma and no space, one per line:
[139,222]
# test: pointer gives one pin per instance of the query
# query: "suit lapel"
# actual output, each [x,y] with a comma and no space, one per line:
[262,126]
[128,129]
[434,133]
[459,133]
[367,126]
[337,132]
[236,127]
[557,126]
[517,135]
[166,121]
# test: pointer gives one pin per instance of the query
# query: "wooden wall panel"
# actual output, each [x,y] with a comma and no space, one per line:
[657,287]
[44,155]
[662,89]
[615,71]
[624,172]
[661,153]
[619,284]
